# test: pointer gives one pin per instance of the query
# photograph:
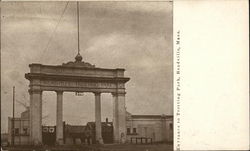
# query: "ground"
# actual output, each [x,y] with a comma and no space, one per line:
[125,147]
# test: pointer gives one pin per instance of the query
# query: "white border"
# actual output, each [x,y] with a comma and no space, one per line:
[214,39]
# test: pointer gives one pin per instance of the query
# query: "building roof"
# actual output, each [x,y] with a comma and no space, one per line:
[26,114]
[152,116]
[104,124]
[163,116]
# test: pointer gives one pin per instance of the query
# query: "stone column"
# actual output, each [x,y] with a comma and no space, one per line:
[115,118]
[98,126]
[119,117]
[59,118]
[35,117]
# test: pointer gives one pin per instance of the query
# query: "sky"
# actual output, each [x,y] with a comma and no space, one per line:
[136,36]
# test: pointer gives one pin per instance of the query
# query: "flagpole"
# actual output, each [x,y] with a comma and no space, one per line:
[78,37]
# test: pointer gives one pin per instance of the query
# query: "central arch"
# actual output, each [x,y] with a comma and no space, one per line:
[77,76]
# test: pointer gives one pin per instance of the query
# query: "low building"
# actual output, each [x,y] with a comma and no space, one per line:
[21,129]
[158,128]
[107,132]
[74,134]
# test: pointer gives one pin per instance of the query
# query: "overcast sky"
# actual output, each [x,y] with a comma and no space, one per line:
[136,36]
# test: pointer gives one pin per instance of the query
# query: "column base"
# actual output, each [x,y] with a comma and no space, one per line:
[122,140]
[59,141]
[99,141]
[37,143]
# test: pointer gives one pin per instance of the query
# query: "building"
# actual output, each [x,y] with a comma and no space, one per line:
[159,128]
[4,139]
[74,134]
[21,129]
[107,132]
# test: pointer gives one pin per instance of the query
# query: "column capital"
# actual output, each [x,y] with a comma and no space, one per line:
[118,93]
[36,91]
[97,93]
[59,92]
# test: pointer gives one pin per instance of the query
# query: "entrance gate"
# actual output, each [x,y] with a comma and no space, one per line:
[77,76]
[49,135]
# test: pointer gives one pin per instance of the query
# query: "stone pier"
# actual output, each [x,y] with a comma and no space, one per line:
[36,116]
[59,118]
[119,117]
[98,124]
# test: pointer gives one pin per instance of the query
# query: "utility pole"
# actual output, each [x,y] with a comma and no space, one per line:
[13,119]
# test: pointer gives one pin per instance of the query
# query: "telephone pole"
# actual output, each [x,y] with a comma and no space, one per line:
[13,119]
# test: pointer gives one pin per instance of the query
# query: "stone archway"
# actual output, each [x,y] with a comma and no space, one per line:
[77,76]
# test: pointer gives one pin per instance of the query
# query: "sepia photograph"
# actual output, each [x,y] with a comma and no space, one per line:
[87,76]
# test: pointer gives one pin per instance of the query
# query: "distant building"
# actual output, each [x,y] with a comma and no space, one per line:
[157,127]
[74,134]
[21,129]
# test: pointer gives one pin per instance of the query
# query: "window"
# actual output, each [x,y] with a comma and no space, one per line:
[16,131]
[128,130]
[25,131]
[134,130]
[26,123]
